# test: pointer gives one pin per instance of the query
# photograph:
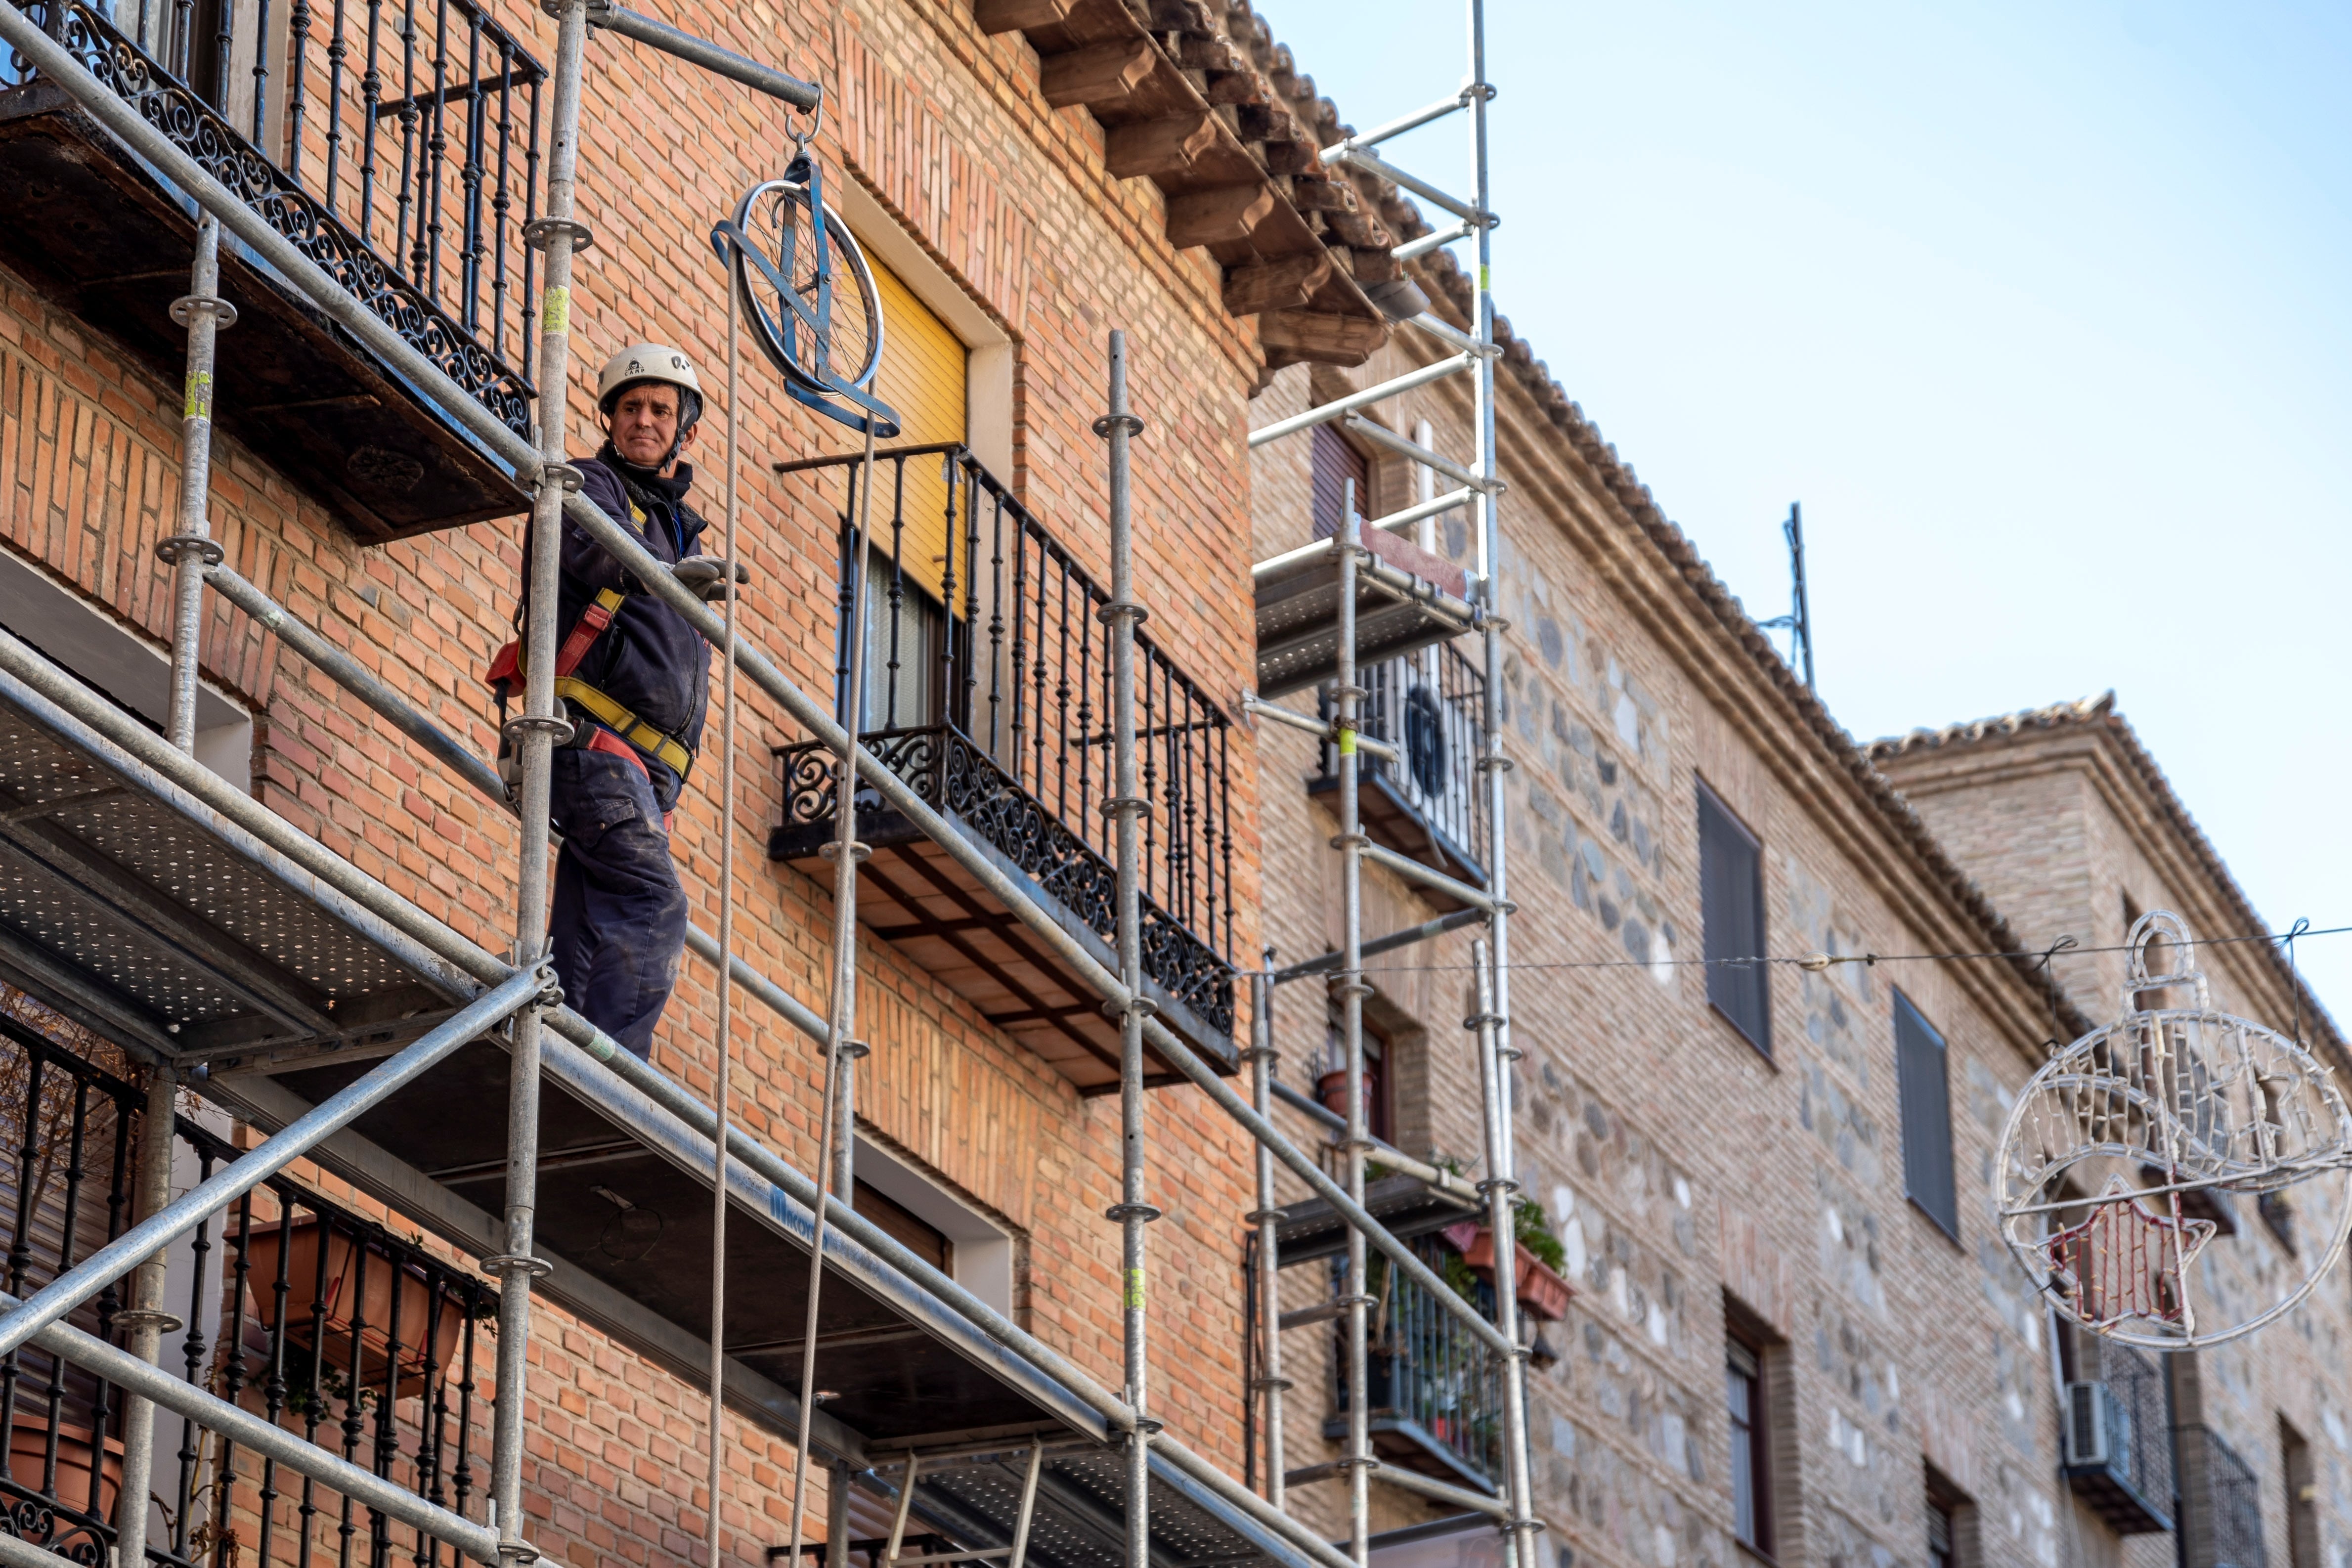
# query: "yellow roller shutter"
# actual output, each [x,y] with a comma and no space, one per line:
[923,378]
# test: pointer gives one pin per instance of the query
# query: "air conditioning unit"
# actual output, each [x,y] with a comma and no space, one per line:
[2098,1427]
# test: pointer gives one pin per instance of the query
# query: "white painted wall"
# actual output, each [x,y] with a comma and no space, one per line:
[983,1260]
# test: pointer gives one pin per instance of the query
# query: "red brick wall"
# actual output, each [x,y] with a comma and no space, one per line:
[947,128]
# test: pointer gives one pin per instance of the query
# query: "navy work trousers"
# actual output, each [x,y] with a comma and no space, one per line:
[619,915]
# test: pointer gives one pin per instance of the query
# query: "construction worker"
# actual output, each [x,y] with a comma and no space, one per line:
[633,676]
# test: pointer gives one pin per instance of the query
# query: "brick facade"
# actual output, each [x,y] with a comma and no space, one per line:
[947,130]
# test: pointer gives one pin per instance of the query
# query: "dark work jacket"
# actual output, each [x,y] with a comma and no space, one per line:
[650,659]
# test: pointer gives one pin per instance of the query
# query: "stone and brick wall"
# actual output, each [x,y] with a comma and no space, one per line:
[1690,1177]
[2063,816]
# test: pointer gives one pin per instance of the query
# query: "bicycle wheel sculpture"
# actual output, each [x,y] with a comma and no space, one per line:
[2122,1148]
[807,296]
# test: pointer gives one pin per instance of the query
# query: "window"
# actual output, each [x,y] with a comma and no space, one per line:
[1950,1519]
[1750,1492]
[2302,1498]
[904,641]
[1334,463]
[1731,908]
[1923,1080]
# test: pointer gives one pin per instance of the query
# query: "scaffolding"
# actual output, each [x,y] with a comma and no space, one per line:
[1090,1476]
[1378,610]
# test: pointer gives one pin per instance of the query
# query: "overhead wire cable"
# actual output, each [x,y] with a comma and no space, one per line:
[1821,961]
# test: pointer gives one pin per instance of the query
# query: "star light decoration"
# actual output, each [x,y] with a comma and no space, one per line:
[2125,1260]
[2204,1102]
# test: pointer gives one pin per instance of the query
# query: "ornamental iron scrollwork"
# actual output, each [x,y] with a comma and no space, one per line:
[952,773]
[192,126]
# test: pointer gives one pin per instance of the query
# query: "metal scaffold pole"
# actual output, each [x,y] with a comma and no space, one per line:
[1263,1059]
[1348,981]
[204,312]
[560,233]
[1497,1053]
[1118,428]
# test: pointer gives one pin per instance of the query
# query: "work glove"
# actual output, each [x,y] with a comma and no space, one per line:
[706,577]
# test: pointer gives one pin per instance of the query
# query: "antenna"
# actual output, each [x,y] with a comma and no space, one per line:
[1799,620]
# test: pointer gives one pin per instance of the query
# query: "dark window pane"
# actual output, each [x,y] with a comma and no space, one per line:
[1921,1075]
[1731,908]
[1743,1400]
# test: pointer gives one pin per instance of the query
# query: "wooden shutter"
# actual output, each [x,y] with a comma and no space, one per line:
[1922,1078]
[1333,464]
[923,377]
[1731,906]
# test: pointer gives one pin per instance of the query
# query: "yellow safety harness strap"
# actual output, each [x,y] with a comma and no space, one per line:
[653,742]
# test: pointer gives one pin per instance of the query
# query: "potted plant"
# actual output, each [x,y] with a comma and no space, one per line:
[28,1446]
[349,1301]
[1537,1255]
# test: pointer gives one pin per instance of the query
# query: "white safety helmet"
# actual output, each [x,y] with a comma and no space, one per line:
[651,362]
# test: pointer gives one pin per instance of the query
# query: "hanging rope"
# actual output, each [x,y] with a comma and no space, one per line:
[725,952]
[840,1045]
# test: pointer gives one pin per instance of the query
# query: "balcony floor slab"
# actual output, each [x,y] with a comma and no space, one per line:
[95,230]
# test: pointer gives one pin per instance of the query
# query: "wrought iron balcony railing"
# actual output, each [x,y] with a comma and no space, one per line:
[398,145]
[2220,1504]
[2119,1442]
[1433,1392]
[988,689]
[299,1311]
[1431,706]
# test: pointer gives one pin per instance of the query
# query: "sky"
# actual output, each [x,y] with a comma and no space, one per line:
[2039,309]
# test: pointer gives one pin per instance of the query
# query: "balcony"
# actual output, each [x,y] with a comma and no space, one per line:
[2119,1443]
[297,1310]
[1433,1392]
[1431,706]
[988,690]
[397,148]
[2222,1504]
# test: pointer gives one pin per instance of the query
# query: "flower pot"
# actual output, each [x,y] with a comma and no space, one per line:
[1542,1291]
[350,1301]
[28,1446]
[1331,1089]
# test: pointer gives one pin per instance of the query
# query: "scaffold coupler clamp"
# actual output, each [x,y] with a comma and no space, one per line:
[1135,614]
[551,984]
[514,1552]
[188,307]
[168,551]
[163,1322]
[506,1265]
[562,475]
[540,232]
[1140,1007]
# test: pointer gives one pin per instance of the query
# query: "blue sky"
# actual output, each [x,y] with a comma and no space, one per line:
[2039,309]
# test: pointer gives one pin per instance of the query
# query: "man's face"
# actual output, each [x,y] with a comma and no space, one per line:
[645,423]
